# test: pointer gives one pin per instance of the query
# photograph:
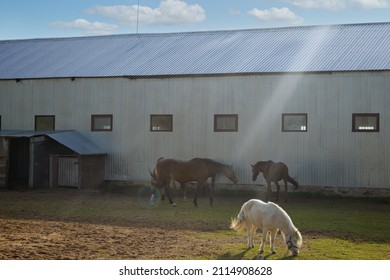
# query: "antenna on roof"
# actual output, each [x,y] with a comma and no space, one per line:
[137,15]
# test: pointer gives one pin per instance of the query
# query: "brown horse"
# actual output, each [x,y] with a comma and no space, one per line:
[195,170]
[206,161]
[273,172]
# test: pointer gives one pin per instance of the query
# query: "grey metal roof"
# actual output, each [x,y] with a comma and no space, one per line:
[352,47]
[69,138]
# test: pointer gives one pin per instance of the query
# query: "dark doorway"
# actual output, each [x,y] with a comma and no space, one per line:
[19,158]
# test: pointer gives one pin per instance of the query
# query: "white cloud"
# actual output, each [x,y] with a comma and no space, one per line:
[276,14]
[90,28]
[372,4]
[170,12]
[340,4]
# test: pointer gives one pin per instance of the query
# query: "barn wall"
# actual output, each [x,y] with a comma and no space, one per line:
[329,154]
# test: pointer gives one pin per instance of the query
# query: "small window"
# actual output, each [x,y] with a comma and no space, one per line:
[161,122]
[296,122]
[225,123]
[101,123]
[44,123]
[365,122]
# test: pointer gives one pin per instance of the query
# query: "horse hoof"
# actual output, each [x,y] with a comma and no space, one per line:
[174,204]
[261,252]
[273,252]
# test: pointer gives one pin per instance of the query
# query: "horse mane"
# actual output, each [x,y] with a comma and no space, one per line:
[283,212]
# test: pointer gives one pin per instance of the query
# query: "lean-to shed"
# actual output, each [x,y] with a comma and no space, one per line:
[314,97]
[49,159]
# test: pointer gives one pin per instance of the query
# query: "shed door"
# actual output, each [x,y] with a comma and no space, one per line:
[68,172]
[3,162]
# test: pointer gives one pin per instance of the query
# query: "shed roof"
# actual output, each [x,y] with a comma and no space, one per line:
[69,138]
[350,47]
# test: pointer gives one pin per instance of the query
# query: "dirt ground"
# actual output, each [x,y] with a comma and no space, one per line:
[34,239]
[25,234]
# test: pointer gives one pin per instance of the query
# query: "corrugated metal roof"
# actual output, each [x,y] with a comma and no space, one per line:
[352,47]
[69,138]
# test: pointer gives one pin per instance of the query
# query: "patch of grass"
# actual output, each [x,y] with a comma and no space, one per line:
[324,248]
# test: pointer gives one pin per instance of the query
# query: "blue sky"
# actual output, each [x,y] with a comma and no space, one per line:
[21,19]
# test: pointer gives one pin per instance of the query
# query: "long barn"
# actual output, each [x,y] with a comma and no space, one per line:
[314,97]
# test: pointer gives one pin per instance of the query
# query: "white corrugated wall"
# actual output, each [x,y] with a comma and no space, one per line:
[328,154]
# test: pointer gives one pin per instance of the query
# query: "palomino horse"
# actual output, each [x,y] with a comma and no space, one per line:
[195,170]
[269,217]
[273,172]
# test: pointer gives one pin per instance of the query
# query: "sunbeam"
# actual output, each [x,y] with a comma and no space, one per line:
[275,102]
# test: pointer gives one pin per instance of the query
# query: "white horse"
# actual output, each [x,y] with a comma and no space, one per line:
[269,217]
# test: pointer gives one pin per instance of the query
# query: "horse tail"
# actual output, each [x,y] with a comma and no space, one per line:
[239,222]
[292,181]
[153,174]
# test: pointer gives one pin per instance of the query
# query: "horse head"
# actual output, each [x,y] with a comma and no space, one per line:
[229,173]
[294,242]
[255,172]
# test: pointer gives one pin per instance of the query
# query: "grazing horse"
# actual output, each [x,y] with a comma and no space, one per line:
[269,217]
[206,161]
[196,170]
[273,172]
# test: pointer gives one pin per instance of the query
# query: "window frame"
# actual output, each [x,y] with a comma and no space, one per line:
[170,122]
[217,116]
[53,117]
[356,115]
[295,130]
[97,116]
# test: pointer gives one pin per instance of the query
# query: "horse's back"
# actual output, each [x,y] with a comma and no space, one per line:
[255,209]
[205,166]
[262,214]
[182,171]
[167,167]
[277,171]
[207,163]
[260,206]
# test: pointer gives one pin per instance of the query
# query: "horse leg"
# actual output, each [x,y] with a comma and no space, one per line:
[249,238]
[263,240]
[166,186]
[268,190]
[153,195]
[272,240]
[251,231]
[184,189]
[212,183]
[198,190]
[277,190]
[210,195]
[285,190]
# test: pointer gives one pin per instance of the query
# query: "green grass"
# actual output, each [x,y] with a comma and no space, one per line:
[332,227]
